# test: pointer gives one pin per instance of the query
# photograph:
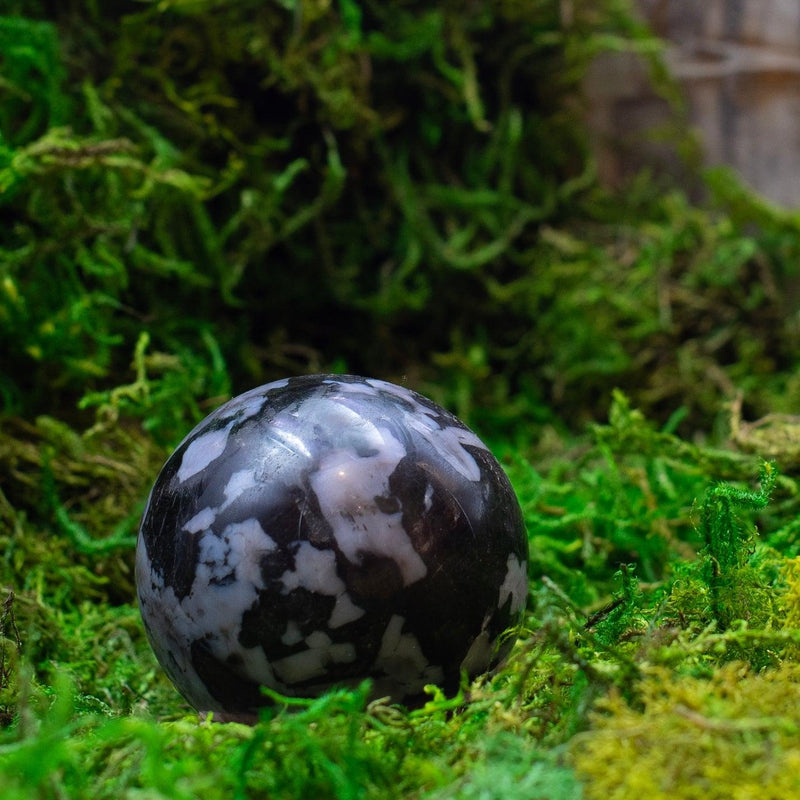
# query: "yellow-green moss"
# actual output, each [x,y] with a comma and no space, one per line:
[733,736]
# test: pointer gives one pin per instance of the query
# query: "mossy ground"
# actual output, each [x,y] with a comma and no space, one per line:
[198,197]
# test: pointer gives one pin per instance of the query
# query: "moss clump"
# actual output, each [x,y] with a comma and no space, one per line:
[389,190]
[733,735]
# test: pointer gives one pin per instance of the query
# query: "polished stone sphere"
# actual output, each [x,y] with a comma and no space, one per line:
[326,529]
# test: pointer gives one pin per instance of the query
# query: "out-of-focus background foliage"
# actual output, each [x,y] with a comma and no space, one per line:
[389,189]
[200,196]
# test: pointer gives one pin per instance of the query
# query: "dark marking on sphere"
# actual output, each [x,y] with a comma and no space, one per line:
[372,580]
[223,681]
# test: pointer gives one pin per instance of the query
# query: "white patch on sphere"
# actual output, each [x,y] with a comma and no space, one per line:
[315,571]
[346,486]
[315,661]
[243,406]
[344,611]
[447,442]
[202,451]
[256,667]
[292,635]
[238,483]
[201,521]
[480,654]
[402,659]
[226,584]
[250,403]
[515,585]
[318,639]
[248,543]
[342,427]
[428,500]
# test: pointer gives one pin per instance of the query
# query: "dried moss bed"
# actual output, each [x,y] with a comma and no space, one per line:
[198,197]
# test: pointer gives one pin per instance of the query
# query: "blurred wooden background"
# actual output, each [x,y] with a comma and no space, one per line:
[738,65]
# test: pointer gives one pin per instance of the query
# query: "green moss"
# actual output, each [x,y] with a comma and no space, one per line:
[733,735]
[200,196]
[263,163]
[732,591]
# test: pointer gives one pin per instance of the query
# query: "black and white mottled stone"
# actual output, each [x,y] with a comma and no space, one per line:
[325,529]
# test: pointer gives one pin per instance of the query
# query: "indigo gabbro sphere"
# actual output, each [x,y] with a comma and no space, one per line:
[325,529]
